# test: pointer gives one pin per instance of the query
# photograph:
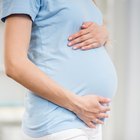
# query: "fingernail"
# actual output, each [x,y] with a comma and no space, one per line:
[69,43]
[74,47]
[83,48]
[70,38]
[84,25]
[108,99]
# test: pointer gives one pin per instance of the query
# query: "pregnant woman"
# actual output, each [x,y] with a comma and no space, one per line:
[68,88]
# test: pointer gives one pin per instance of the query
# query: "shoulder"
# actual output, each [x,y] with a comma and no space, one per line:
[29,7]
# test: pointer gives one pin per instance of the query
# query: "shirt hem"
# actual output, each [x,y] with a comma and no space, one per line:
[45,132]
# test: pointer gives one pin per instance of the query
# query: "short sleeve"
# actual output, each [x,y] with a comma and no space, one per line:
[28,7]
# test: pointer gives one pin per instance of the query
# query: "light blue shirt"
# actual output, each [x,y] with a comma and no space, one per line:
[82,72]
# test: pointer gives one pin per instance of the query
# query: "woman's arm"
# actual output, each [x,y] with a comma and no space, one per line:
[22,70]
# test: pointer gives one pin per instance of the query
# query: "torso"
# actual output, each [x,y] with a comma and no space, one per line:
[82,72]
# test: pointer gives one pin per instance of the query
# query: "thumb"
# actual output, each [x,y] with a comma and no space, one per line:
[86,24]
[104,100]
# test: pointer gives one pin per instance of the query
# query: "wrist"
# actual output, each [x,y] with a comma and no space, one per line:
[73,103]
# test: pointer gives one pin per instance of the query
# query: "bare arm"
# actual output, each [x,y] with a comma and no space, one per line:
[22,70]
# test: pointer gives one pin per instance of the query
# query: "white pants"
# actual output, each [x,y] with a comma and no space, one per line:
[72,134]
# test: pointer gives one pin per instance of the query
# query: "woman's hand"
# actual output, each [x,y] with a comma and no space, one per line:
[90,36]
[89,109]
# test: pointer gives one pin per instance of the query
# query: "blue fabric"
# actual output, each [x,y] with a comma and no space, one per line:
[82,72]
[29,7]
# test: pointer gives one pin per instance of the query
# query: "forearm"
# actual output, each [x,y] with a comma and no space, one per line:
[21,69]
[30,76]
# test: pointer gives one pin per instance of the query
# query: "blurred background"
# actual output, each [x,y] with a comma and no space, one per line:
[123,21]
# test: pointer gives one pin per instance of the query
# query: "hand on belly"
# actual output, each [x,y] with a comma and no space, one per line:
[90,36]
[89,109]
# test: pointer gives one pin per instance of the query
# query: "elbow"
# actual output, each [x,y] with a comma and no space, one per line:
[11,69]
[14,67]
[8,73]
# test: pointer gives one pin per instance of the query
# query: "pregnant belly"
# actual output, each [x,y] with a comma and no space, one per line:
[82,72]
[85,72]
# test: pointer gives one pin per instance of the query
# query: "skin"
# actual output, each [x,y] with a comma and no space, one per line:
[90,36]
[21,69]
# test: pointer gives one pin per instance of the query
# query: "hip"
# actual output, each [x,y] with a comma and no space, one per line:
[73,134]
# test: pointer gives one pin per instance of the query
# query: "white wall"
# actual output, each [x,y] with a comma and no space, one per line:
[133,79]
[123,15]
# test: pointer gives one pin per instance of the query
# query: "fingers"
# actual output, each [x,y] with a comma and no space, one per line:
[99,108]
[103,99]
[88,42]
[91,125]
[80,39]
[104,104]
[91,46]
[104,108]
[102,115]
[89,121]
[86,24]
[98,121]
[78,34]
